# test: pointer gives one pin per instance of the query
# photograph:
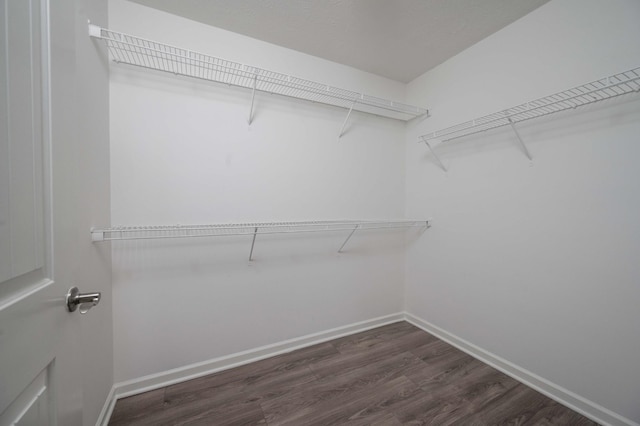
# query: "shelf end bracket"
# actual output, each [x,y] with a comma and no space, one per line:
[95,31]
[522,144]
[97,235]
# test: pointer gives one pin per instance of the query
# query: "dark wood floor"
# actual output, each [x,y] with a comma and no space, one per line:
[392,375]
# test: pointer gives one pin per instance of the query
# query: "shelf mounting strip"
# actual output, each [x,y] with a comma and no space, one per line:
[249,229]
[132,50]
[605,88]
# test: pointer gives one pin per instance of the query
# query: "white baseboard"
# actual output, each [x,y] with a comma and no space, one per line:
[107,409]
[570,399]
[177,375]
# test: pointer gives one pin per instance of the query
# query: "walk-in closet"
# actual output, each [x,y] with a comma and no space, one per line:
[307,213]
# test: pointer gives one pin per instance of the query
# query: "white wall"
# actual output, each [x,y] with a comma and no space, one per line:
[182,152]
[534,263]
[537,264]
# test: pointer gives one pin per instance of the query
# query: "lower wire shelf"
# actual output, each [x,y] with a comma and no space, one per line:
[251,229]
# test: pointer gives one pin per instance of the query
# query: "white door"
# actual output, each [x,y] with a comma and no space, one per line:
[40,354]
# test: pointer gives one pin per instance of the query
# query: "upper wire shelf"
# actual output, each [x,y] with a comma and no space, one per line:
[144,53]
[595,91]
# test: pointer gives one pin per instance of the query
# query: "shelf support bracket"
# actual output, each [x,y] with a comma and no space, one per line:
[95,31]
[96,235]
[253,243]
[344,124]
[524,147]
[348,238]
[253,96]
[434,154]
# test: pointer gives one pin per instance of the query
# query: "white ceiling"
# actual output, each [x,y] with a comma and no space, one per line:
[398,39]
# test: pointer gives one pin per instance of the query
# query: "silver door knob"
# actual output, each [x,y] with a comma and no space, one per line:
[85,301]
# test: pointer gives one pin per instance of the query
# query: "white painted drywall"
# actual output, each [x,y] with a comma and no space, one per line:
[538,264]
[182,152]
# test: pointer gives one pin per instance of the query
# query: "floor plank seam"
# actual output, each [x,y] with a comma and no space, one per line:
[312,371]
[264,417]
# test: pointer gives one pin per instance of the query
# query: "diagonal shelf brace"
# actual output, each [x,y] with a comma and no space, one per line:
[348,238]
[253,243]
[253,96]
[524,147]
[434,154]
[344,124]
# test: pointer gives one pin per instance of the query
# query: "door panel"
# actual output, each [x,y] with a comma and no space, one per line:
[28,338]
[21,216]
[5,233]
[55,366]
[36,333]
[31,407]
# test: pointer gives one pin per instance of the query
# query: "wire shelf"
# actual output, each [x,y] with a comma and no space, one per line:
[249,229]
[144,53]
[595,91]
[231,229]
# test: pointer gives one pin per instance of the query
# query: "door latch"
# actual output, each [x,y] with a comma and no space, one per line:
[85,301]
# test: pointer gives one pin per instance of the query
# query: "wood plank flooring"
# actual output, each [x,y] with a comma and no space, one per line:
[392,375]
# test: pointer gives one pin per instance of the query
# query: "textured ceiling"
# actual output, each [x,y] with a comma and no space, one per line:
[398,39]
